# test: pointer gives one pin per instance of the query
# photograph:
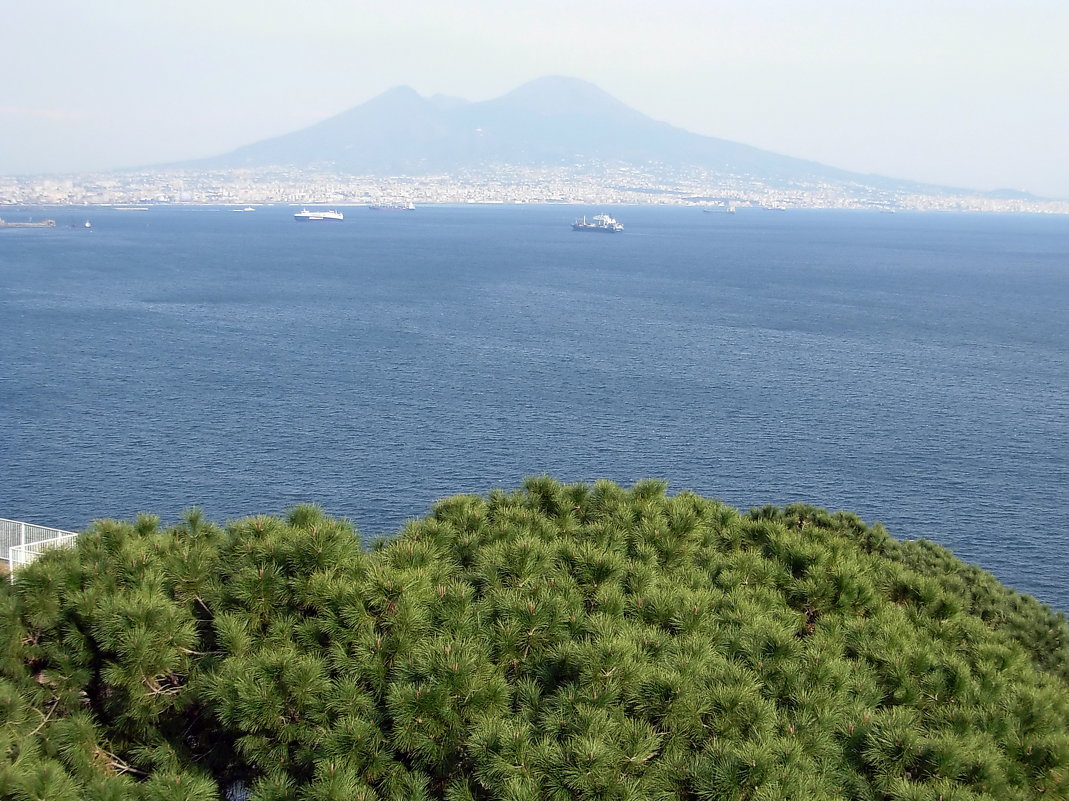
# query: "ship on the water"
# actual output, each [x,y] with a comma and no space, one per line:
[38,224]
[409,206]
[601,223]
[304,215]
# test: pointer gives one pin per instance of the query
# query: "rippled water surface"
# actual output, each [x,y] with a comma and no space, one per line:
[911,368]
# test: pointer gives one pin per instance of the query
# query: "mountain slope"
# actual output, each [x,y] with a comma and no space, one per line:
[553,121]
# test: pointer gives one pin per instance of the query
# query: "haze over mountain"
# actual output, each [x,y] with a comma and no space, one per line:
[548,122]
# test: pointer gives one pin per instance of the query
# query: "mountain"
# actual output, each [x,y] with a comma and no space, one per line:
[552,121]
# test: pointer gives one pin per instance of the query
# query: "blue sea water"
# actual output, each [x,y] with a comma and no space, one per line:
[912,368]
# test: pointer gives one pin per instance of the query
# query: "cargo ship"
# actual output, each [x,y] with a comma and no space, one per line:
[601,223]
[304,215]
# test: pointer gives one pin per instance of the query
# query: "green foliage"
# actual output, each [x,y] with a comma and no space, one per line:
[555,642]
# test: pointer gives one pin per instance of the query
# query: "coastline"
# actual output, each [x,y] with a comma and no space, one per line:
[506,186]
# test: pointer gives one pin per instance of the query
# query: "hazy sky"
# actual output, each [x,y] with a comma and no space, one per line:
[971,93]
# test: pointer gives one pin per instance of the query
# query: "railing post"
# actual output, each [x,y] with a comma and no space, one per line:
[22,533]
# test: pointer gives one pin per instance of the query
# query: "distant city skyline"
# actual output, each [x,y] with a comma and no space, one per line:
[966,94]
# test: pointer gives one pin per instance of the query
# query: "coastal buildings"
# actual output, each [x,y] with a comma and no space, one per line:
[580,184]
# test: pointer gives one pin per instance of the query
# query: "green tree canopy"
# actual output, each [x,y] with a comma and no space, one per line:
[555,642]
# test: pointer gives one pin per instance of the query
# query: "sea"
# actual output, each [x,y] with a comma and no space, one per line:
[912,368]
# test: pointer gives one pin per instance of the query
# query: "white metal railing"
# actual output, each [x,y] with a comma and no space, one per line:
[21,543]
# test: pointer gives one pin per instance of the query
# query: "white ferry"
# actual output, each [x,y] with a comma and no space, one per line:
[304,215]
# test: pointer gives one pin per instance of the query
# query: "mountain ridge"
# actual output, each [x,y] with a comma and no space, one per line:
[547,122]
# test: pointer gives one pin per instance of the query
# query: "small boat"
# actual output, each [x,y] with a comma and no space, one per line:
[409,206]
[38,224]
[304,215]
[600,223]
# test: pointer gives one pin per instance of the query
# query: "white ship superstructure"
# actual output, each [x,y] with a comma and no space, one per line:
[304,215]
[601,223]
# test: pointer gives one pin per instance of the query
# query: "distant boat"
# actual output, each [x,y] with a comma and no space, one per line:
[392,206]
[304,215]
[38,224]
[601,223]
[720,208]
[247,208]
